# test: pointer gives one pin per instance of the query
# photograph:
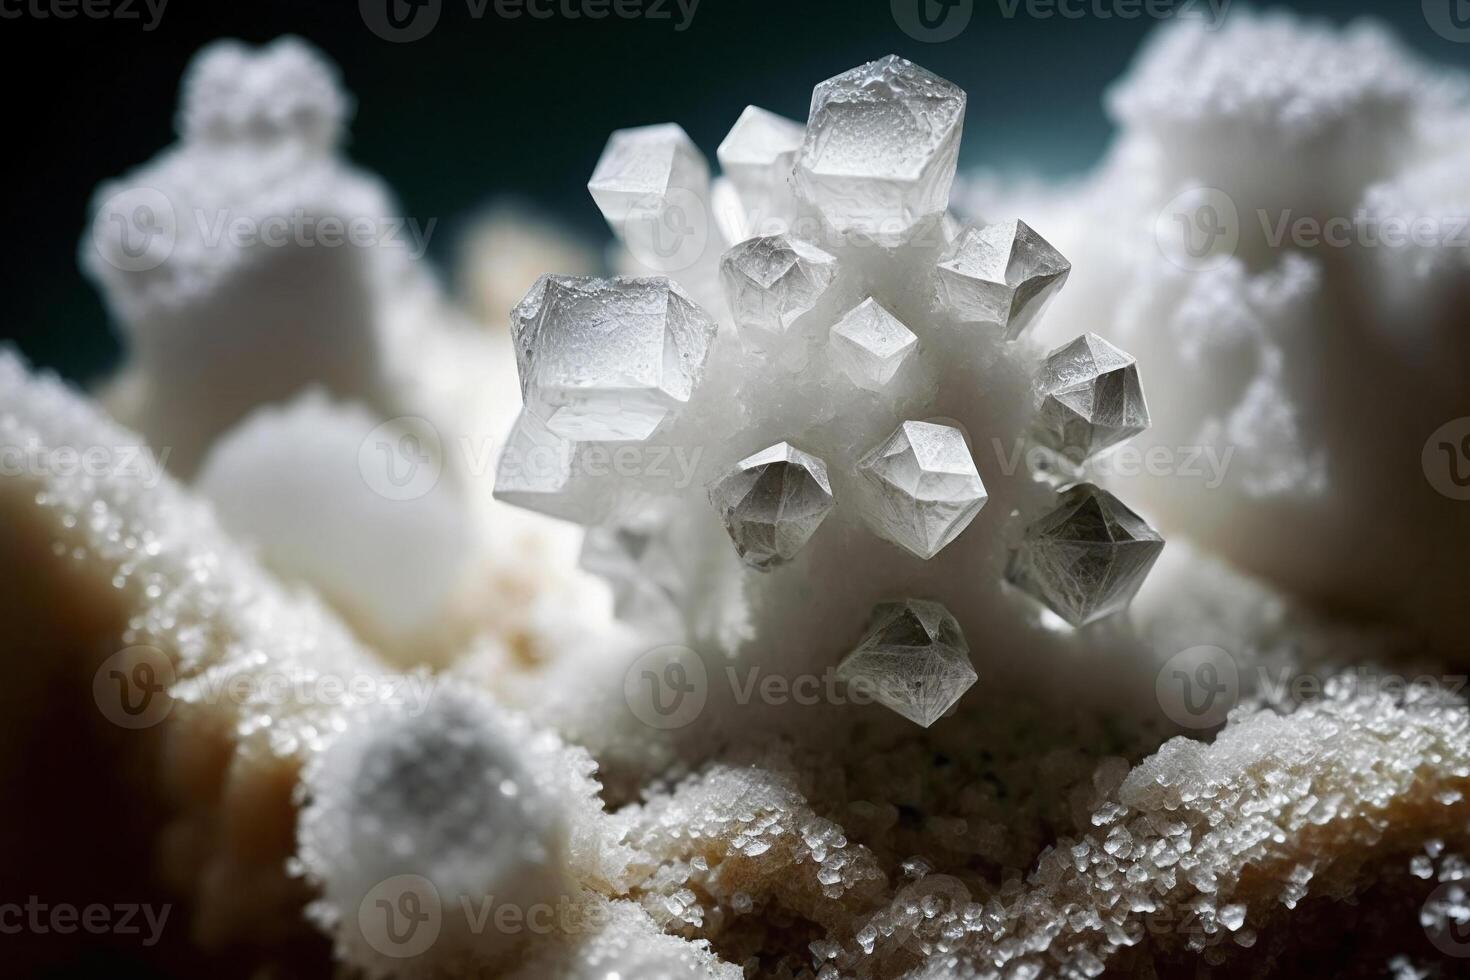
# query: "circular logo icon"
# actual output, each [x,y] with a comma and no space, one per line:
[1446,459]
[131,687]
[135,230]
[402,458]
[1446,920]
[932,21]
[402,916]
[668,232]
[1197,687]
[666,687]
[1450,19]
[400,21]
[1199,229]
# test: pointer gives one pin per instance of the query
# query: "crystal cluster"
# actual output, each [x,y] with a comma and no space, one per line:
[809,400]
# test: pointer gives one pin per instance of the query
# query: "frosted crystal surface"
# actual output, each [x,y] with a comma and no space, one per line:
[925,488]
[1003,274]
[914,660]
[644,170]
[758,156]
[772,503]
[869,344]
[771,282]
[880,149]
[607,359]
[1087,558]
[1090,398]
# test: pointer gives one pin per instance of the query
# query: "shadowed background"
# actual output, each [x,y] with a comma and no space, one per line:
[484,107]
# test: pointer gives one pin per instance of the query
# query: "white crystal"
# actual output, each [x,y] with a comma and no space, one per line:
[880,149]
[608,359]
[1003,274]
[772,503]
[914,660]
[1090,398]
[641,167]
[772,282]
[926,489]
[1087,558]
[758,156]
[869,344]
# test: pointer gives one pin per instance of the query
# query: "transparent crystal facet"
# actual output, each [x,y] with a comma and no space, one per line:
[641,167]
[925,488]
[1003,274]
[771,282]
[640,565]
[914,660]
[608,359]
[1087,558]
[772,502]
[880,149]
[758,156]
[1090,399]
[869,344]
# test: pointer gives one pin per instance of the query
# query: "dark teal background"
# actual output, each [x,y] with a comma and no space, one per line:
[489,107]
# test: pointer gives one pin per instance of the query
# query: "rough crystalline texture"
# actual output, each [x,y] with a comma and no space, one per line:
[914,660]
[1090,399]
[1070,816]
[772,503]
[770,283]
[1003,274]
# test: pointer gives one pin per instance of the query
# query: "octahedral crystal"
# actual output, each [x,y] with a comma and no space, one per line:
[1087,558]
[880,149]
[771,282]
[914,660]
[869,344]
[925,489]
[1090,398]
[608,359]
[1003,274]
[772,502]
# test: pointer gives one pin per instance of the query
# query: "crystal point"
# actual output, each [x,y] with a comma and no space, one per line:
[925,488]
[880,150]
[1003,274]
[1087,558]
[772,282]
[914,660]
[772,503]
[869,344]
[608,359]
[758,156]
[1090,398]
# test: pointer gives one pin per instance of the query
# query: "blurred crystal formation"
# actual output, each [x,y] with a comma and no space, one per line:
[772,503]
[914,660]
[836,323]
[1086,559]
[1003,274]
[926,487]
[1090,399]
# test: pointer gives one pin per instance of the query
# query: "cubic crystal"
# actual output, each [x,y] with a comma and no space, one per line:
[1003,274]
[1090,398]
[925,488]
[880,149]
[869,344]
[1087,558]
[914,660]
[758,156]
[772,503]
[653,188]
[608,359]
[771,282]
